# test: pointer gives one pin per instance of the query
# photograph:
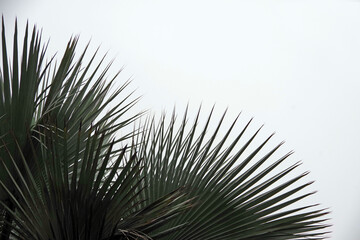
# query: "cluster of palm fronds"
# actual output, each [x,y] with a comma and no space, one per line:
[63,174]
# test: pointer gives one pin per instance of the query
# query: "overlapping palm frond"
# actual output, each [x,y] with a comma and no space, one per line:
[36,95]
[90,201]
[235,197]
[62,176]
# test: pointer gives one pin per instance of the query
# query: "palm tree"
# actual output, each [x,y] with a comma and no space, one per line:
[66,172]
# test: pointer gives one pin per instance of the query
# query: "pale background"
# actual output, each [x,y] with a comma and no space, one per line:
[293,65]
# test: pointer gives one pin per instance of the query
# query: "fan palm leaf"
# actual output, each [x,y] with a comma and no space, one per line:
[37,94]
[62,176]
[90,202]
[236,197]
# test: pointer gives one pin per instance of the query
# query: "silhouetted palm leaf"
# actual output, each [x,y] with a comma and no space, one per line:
[90,202]
[235,197]
[62,178]
[35,96]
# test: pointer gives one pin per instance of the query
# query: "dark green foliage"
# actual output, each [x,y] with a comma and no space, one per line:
[64,176]
[85,200]
[40,96]
[234,199]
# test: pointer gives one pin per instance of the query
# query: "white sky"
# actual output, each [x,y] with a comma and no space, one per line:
[293,65]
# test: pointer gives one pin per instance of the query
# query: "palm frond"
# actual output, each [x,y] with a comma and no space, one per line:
[236,197]
[62,175]
[38,95]
[88,202]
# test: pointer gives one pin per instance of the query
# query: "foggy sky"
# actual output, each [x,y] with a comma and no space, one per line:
[293,65]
